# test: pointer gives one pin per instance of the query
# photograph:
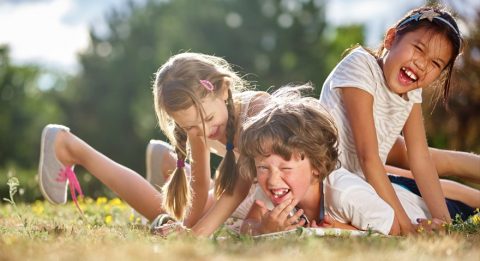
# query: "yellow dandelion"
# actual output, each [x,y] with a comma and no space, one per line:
[101,201]
[420,229]
[108,219]
[38,209]
[131,218]
[115,202]
[476,219]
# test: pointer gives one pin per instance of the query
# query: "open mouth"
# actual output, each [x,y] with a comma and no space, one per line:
[408,75]
[279,195]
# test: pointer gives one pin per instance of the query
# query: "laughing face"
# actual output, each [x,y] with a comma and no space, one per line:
[215,118]
[282,179]
[415,59]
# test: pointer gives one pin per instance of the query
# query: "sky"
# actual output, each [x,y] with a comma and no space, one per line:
[50,33]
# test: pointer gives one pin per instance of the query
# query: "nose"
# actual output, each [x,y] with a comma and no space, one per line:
[274,178]
[420,62]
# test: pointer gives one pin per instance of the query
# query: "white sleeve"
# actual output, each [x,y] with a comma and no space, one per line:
[415,96]
[352,200]
[355,71]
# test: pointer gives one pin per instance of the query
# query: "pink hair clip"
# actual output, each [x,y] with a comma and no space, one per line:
[207,84]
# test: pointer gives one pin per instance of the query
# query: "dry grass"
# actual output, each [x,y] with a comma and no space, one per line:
[108,231]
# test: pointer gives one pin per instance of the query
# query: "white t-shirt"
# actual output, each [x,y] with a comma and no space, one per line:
[360,69]
[351,200]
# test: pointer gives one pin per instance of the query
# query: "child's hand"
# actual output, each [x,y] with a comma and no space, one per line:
[328,222]
[427,225]
[168,228]
[278,219]
[406,227]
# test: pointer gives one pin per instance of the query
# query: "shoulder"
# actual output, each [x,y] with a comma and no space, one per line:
[359,57]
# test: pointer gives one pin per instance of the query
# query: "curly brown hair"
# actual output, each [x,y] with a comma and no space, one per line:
[290,124]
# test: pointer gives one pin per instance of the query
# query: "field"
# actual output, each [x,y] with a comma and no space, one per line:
[108,230]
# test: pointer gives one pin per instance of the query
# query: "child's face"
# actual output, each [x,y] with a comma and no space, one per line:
[415,60]
[282,179]
[215,119]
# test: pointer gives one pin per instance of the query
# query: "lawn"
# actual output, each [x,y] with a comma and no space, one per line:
[108,230]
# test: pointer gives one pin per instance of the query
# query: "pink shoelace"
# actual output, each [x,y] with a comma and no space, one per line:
[67,174]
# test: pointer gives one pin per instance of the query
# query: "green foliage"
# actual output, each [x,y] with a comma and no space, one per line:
[110,103]
[24,109]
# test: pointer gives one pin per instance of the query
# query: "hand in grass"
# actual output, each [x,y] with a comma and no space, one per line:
[430,225]
[169,228]
[329,222]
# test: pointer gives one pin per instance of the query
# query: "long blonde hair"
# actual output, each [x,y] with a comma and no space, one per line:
[177,87]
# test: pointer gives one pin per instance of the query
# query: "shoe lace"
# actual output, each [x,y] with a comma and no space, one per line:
[67,174]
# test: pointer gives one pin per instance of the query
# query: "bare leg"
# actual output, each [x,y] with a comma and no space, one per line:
[447,162]
[460,192]
[451,189]
[129,185]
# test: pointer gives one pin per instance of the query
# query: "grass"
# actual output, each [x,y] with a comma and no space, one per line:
[109,231]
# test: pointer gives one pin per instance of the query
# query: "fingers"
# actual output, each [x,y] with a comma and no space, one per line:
[261,206]
[294,219]
[328,222]
[427,225]
[169,228]
[282,210]
[301,223]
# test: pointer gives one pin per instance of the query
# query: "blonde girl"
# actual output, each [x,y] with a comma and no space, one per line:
[200,109]
[374,97]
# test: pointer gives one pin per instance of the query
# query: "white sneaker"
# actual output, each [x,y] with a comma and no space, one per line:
[155,154]
[50,167]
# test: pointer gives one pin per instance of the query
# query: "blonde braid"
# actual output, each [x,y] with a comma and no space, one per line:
[177,192]
[228,170]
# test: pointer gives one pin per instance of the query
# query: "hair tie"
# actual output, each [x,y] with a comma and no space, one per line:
[207,84]
[229,146]
[180,163]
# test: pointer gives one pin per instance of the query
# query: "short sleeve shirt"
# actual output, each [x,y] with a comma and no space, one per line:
[360,69]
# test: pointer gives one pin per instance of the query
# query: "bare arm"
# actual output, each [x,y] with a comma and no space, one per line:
[200,178]
[422,165]
[359,108]
[222,209]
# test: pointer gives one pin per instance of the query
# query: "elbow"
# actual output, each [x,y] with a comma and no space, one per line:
[366,159]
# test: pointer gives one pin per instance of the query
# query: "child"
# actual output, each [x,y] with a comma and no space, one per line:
[196,97]
[373,98]
[290,147]
[190,93]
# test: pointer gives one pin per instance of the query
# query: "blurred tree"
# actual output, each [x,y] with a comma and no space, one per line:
[24,109]
[458,127]
[110,103]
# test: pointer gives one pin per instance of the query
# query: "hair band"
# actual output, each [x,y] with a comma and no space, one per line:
[180,163]
[430,15]
[207,84]
[229,146]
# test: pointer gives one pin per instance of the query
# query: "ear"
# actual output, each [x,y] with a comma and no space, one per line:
[389,38]
[225,86]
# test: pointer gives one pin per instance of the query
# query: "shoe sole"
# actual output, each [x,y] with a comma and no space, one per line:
[40,165]
[149,160]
